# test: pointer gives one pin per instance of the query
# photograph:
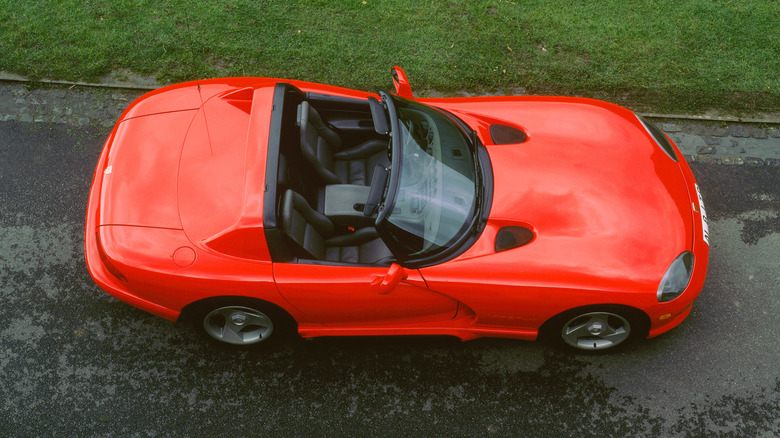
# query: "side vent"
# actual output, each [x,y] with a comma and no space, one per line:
[513,237]
[504,134]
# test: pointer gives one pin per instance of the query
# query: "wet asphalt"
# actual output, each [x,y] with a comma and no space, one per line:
[76,362]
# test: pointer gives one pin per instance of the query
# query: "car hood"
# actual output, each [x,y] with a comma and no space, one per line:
[603,200]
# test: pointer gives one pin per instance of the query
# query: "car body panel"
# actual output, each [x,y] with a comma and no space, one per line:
[139,180]
[322,291]
[221,177]
[594,240]
[562,182]
[179,97]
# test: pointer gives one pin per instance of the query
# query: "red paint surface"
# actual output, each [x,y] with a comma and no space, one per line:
[609,210]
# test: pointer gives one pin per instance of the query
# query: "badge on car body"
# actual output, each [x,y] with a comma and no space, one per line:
[704,227]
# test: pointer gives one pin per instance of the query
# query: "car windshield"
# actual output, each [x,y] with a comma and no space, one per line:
[435,194]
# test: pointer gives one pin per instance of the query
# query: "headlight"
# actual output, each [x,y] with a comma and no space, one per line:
[659,137]
[676,278]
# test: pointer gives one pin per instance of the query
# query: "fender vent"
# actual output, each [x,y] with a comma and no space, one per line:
[504,134]
[513,237]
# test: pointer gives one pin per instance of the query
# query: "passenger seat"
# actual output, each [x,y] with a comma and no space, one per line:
[350,166]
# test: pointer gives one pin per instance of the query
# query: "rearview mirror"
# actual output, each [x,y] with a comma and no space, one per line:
[402,87]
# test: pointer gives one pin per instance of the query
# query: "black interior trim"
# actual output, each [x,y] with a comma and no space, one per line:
[394,149]
[329,101]
[273,234]
[379,116]
[378,183]
[350,117]
[379,264]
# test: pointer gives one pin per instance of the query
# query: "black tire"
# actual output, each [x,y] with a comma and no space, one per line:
[596,329]
[240,322]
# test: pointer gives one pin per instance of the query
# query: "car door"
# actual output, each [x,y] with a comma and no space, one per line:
[361,295]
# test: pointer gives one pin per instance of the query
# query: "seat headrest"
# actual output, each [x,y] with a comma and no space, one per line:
[303,113]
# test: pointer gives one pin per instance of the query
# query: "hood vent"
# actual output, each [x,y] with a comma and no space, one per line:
[513,237]
[504,134]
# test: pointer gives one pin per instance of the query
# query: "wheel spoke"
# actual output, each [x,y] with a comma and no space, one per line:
[576,332]
[232,333]
[615,335]
[257,319]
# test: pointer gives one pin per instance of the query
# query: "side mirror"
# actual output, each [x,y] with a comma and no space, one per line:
[387,283]
[402,87]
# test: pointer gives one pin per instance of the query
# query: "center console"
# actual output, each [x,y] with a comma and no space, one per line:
[344,204]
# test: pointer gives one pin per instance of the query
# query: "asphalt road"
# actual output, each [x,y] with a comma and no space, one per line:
[76,362]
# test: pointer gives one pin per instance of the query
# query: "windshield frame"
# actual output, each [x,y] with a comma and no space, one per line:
[395,165]
[482,179]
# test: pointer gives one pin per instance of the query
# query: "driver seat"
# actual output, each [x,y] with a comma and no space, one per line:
[312,236]
[350,166]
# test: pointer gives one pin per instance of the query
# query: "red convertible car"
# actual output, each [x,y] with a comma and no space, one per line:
[257,208]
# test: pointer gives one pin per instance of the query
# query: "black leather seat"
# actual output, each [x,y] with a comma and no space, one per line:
[351,166]
[312,236]
[291,177]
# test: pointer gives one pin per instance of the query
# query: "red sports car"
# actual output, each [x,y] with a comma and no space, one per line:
[258,207]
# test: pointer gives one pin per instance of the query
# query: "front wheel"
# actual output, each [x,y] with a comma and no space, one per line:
[240,322]
[596,329]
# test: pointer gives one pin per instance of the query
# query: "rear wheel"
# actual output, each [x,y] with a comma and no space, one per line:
[596,329]
[241,322]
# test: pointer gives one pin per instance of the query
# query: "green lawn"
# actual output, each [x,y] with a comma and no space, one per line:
[659,55]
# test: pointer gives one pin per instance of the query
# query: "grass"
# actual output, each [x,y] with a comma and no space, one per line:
[659,55]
